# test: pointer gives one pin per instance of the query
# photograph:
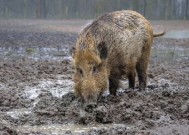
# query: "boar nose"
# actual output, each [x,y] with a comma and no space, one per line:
[90,106]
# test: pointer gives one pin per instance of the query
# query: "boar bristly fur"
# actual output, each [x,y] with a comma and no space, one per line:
[113,46]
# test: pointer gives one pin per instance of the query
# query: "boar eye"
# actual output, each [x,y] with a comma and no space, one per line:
[80,71]
[94,69]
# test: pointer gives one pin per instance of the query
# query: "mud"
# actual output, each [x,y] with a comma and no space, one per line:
[36,88]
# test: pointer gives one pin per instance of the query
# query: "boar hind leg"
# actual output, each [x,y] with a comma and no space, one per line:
[142,75]
[141,68]
[113,85]
[131,78]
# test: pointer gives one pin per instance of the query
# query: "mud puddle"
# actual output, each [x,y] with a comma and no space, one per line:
[166,54]
[69,129]
[160,52]
[57,88]
[16,113]
[36,53]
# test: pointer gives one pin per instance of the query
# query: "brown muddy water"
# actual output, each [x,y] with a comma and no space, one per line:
[36,87]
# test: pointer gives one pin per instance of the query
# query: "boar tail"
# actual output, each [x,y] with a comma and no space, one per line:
[159,34]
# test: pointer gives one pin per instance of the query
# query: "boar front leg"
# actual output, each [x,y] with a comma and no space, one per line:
[131,78]
[113,85]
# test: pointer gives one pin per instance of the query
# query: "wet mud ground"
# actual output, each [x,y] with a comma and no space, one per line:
[36,87]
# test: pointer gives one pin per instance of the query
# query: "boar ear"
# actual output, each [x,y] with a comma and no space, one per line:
[103,50]
[72,51]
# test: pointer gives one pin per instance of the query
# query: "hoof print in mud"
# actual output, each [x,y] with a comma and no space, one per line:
[102,115]
[4,130]
[166,93]
[132,94]
[152,86]
[85,117]
[90,107]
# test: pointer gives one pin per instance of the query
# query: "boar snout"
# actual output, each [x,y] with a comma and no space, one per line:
[89,91]
[91,98]
[90,102]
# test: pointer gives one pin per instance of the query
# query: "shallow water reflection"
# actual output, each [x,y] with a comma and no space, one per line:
[35,53]
[57,129]
[162,53]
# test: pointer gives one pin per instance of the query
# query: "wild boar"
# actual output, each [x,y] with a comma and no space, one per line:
[114,45]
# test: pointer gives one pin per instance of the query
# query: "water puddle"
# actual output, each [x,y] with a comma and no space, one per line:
[62,53]
[35,53]
[177,34]
[16,113]
[162,53]
[57,87]
[57,129]
[166,53]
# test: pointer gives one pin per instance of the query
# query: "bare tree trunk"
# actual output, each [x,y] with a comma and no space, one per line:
[144,7]
[43,9]
[187,11]
[40,9]
[37,10]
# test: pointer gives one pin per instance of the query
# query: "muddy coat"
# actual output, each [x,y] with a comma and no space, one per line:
[113,46]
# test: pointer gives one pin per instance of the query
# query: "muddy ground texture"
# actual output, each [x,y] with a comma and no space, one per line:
[162,109]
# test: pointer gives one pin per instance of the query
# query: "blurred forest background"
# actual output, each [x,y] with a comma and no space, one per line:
[87,9]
